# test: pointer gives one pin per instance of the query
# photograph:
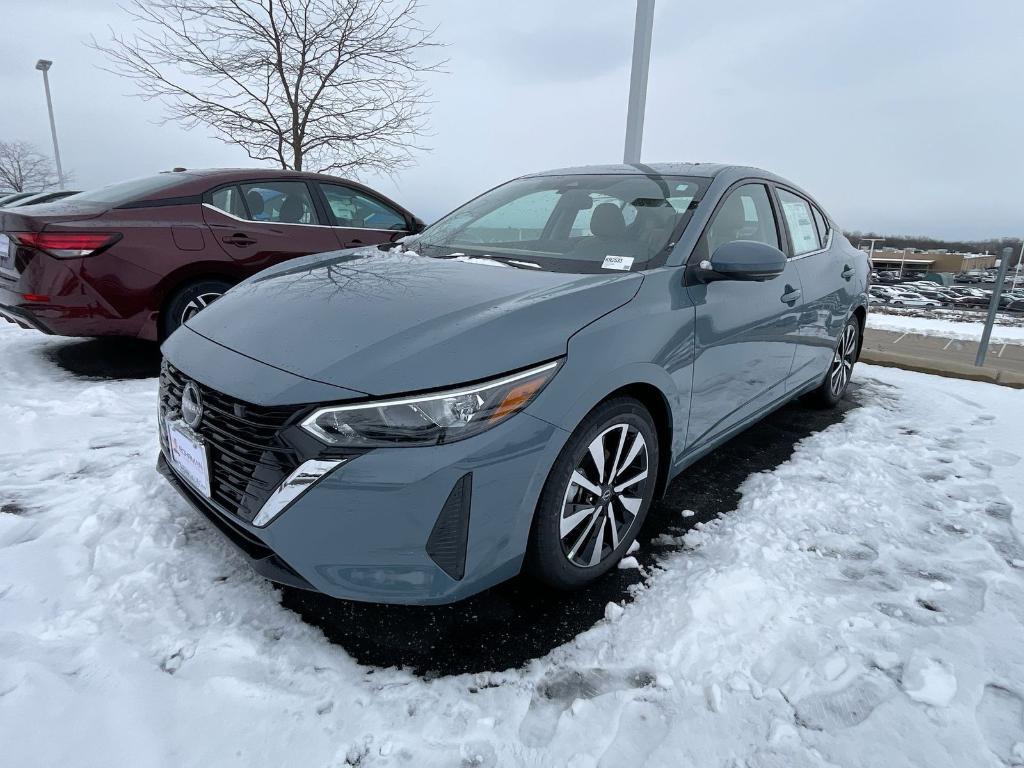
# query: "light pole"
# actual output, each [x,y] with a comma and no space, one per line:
[902,262]
[1016,272]
[642,34]
[871,253]
[43,65]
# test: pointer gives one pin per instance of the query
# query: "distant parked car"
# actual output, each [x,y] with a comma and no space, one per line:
[43,197]
[140,257]
[909,299]
[14,197]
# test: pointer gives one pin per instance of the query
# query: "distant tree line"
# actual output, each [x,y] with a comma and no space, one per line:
[921,242]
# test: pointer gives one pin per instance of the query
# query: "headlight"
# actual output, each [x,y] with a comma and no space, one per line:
[442,417]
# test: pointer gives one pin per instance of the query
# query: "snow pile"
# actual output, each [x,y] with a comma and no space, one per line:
[962,330]
[861,607]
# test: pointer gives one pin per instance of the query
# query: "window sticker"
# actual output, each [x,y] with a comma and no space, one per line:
[624,263]
[801,226]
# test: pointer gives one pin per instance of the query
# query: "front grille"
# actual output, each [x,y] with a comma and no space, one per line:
[248,458]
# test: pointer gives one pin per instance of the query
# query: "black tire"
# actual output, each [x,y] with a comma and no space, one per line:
[188,301]
[562,561]
[834,385]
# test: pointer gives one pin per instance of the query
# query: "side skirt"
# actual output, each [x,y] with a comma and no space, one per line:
[693,456]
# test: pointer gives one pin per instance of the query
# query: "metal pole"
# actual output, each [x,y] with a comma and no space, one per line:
[1016,272]
[902,261]
[44,66]
[993,306]
[642,35]
[871,253]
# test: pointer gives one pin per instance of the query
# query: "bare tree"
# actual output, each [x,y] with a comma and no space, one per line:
[23,168]
[326,85]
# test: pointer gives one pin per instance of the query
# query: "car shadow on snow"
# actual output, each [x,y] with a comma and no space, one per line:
[509,625]
[105,358]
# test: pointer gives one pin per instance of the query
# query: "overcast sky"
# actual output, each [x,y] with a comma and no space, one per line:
[900,117]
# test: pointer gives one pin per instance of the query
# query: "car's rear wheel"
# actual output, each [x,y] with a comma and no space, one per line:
[837,379]
[190,301]
[596,496]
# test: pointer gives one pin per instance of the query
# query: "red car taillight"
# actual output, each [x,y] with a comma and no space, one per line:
[67,245]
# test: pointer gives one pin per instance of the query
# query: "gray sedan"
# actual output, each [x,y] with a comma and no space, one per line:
[510,389]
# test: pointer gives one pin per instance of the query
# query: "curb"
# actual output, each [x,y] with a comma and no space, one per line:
[950,369]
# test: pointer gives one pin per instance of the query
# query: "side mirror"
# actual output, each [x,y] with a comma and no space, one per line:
[417,225]
[744,260]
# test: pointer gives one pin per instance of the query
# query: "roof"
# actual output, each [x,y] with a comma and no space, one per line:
[704,170]
[253,172]
[708,170]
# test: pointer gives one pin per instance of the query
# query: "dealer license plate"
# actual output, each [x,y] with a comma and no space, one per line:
[188,455]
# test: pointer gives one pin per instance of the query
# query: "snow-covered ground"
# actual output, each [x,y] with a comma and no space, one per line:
[863,606]
[965,326]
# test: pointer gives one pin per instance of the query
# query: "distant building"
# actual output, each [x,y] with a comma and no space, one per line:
[941,260]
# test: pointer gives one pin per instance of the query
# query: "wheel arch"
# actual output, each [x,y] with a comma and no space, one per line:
[654,400]
[566,405]
[176,281]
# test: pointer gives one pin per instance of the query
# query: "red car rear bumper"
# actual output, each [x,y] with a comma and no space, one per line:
[52,296]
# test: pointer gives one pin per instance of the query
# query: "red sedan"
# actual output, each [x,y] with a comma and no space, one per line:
[140,257]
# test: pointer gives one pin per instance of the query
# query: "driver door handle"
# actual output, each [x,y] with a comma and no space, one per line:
[791,295]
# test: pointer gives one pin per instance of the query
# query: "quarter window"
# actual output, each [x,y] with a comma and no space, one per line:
[351,208]
[746,214]
[282,202]
[229,200]
[822,222]
[803,233]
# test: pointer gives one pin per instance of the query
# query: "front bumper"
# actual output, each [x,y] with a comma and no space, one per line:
[368,531]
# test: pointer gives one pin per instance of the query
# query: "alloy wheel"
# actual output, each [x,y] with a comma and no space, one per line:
[197,304]
[843,359]
[604,495]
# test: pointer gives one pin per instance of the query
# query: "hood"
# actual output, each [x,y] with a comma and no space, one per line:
[387,322]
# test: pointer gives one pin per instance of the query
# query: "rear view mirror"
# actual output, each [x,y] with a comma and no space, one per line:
[744,260]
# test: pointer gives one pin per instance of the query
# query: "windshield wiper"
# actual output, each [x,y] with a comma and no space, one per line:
[485,257]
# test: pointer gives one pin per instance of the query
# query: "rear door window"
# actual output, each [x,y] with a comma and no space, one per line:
[352,208]
[803,232]
[280,202]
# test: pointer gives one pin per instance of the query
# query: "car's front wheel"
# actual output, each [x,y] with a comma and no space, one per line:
[189,301]
[596,496]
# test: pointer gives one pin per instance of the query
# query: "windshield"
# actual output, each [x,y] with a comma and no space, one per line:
[133,189]
[586,223]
